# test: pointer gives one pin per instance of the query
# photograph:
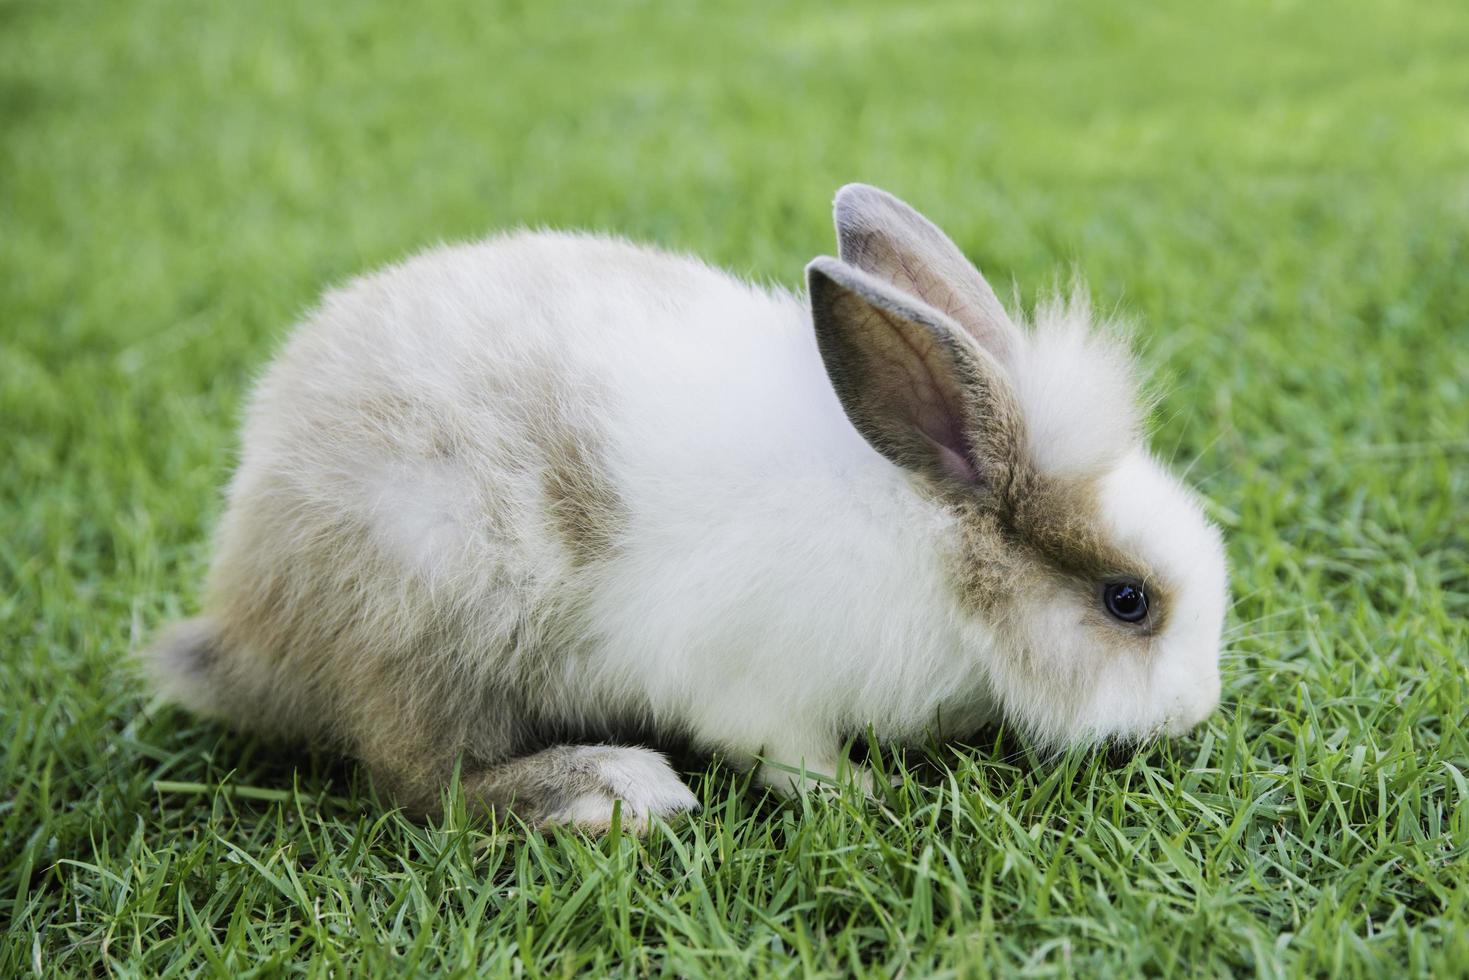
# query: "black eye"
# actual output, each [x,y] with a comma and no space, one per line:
[1126,600]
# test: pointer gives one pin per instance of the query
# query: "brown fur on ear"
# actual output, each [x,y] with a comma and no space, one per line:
[889,240]
[912,383]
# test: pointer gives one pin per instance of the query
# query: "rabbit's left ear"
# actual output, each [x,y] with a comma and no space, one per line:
[886,238]
[912,382]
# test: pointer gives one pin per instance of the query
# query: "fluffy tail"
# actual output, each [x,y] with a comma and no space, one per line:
[183,665]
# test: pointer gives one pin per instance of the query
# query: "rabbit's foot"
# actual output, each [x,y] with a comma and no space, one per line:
[579,785]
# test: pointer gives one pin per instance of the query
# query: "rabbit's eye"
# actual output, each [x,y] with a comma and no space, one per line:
[1126,601]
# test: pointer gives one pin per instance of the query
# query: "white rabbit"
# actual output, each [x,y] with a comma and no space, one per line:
[506,502]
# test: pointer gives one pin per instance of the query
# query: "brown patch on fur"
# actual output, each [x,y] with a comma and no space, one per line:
[407,426]
[1062,522]
[989,566]
[1038,532]
[583,502]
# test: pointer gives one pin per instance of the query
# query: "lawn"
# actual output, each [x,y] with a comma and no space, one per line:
[1278,193]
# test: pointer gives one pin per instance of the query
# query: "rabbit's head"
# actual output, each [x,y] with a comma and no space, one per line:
[1088,582]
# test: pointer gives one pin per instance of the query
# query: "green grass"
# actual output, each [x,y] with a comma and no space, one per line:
[1278,191]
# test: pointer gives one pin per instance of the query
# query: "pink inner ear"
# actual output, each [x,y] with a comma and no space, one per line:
[937,417]
[954,462]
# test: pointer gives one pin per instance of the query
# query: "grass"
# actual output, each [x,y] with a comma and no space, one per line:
[1278,191]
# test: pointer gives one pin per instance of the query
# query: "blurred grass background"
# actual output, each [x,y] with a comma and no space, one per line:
[1279,192]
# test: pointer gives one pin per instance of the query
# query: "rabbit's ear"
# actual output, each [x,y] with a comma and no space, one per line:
[886,238]
[913,383]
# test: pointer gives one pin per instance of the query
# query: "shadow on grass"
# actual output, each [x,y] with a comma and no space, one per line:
[198,763]
[248,778]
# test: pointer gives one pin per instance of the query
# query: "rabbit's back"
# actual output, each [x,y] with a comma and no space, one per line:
[504,388]
[436,469]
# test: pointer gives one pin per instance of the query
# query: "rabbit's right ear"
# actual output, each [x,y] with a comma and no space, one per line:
[912,382]
[888,239]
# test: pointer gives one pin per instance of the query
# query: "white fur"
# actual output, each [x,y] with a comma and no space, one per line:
[1151,516]
[777,584]
[1075,384]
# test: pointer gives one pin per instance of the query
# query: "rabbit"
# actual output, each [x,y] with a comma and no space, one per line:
[505,502]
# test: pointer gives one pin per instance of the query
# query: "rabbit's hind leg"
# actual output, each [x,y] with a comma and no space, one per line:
[578,785]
